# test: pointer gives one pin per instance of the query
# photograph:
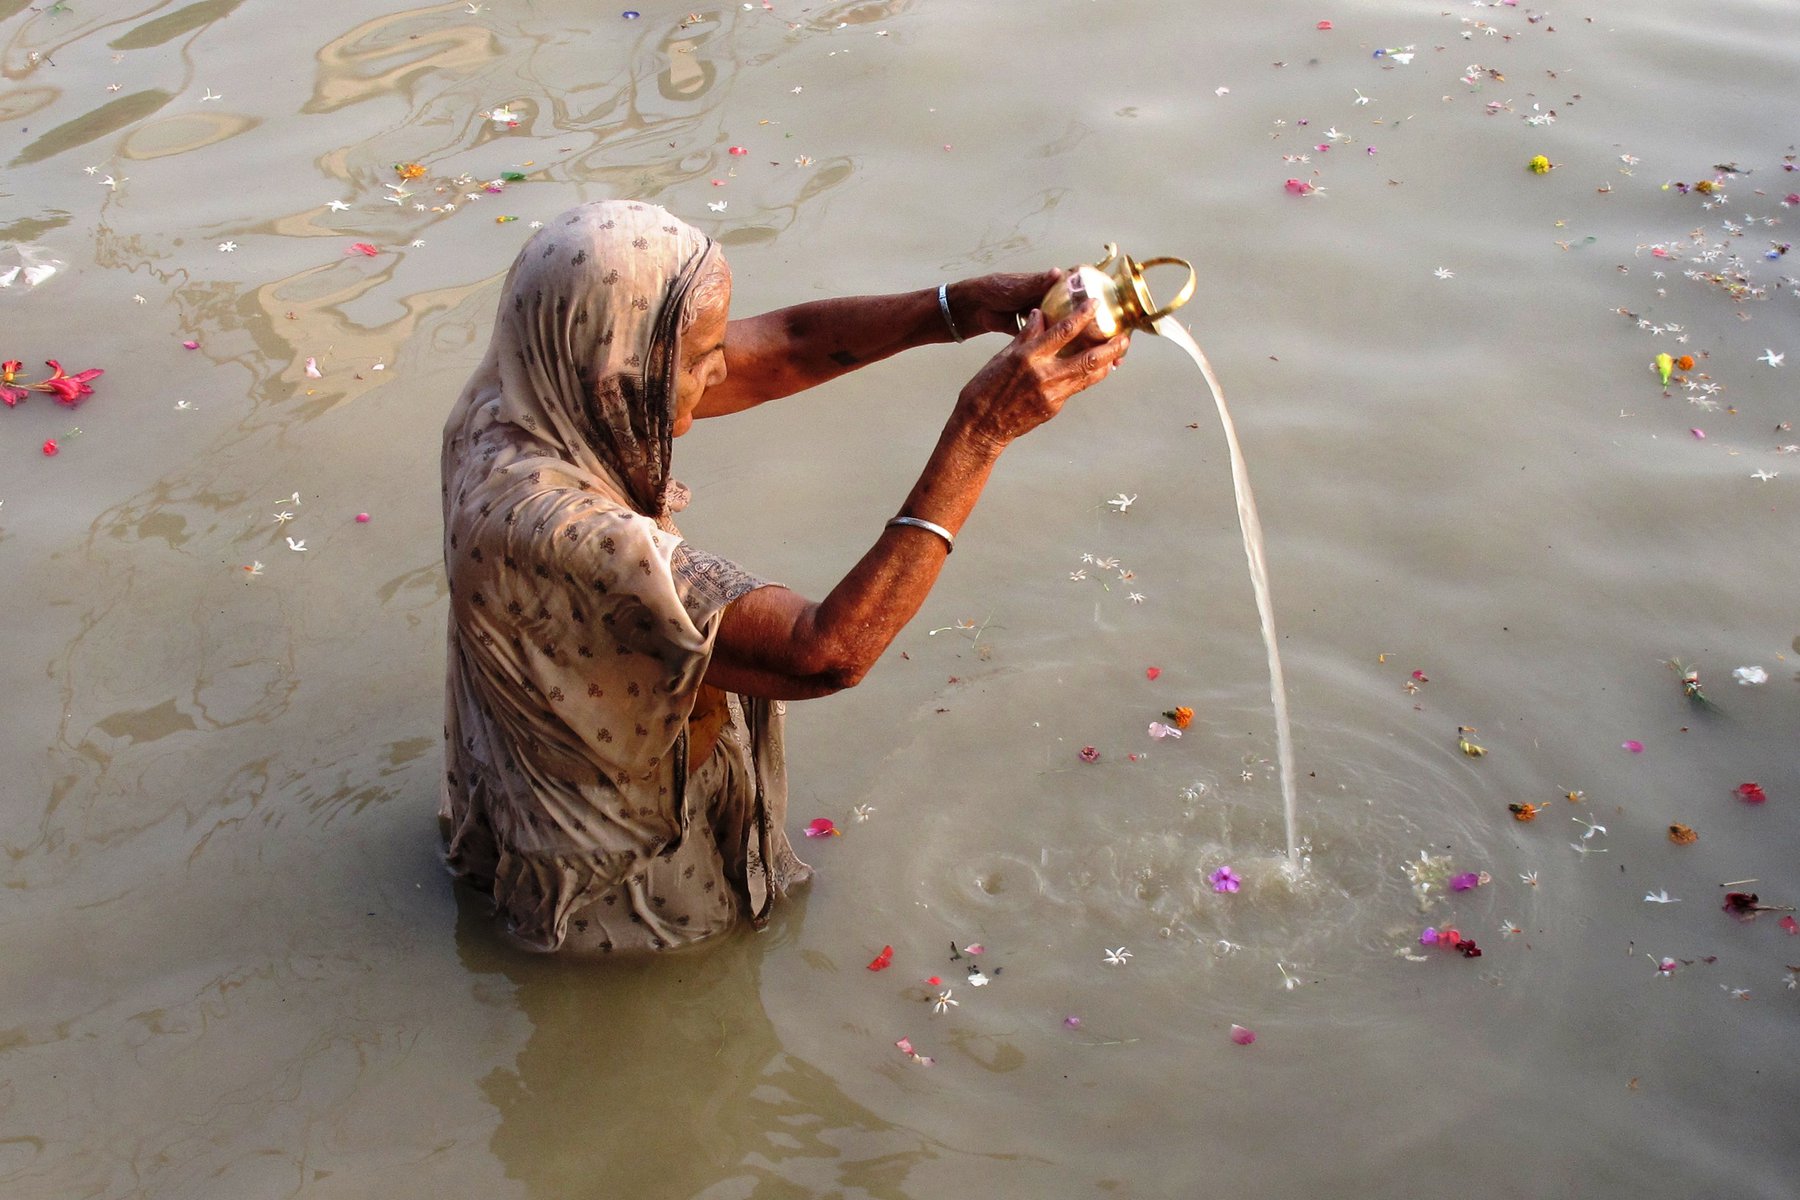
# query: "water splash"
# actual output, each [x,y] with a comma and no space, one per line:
[1251,524]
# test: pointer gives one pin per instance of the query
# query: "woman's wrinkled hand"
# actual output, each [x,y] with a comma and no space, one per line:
[996,303]
[1028,382]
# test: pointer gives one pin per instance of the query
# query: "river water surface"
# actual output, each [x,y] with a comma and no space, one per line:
[234,966]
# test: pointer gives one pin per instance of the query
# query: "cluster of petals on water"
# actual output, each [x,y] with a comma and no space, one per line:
[68,389]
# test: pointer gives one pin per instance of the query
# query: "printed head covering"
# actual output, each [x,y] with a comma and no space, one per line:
[585,342]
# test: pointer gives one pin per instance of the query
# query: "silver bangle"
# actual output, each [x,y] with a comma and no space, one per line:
[928,527]
[944,307]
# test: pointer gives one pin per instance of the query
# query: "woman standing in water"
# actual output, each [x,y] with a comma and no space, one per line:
[614,775]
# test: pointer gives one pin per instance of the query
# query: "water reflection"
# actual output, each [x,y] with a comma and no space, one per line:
[666,1078]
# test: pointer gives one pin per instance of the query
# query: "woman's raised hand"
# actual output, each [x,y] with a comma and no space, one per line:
[1027,383]
[996,303]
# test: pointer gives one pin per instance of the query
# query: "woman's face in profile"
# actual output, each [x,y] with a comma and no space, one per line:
[702,352]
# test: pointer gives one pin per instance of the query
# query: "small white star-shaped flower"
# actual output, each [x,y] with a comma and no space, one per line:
[283,517]
[944,1003]
[1135,597]
[210,95]
[1772,358]
[298,546]
[418,242]
[90,170]
[1360,98]
[862,811]
[1592,828]
[1510,929]
[1117,958]
[1124,502]
[1661,896]
[535,225]
[1584,849]
[137,299]
[227,247]
[113,184]
[1444,273]
[337,206]
[184,406]
[113,87]
[253,570]
[1764,476]
[1529,879]
[1077,576]
[716,205]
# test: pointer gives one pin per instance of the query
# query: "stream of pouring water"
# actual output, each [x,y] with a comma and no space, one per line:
[1251,525]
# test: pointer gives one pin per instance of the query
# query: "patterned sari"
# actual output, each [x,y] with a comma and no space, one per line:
[581,623]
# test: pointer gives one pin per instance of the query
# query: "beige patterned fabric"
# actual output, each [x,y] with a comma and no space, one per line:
[581,624]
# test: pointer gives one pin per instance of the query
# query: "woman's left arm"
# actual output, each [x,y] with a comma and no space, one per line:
[792,349]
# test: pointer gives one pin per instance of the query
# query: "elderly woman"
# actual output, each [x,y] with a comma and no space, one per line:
[614,774]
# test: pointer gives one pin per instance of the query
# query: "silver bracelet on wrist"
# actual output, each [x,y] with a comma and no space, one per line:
[928,527]
[944,307]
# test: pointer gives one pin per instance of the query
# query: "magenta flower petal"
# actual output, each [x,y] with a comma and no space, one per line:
[820,827]
[1465,881]
[1224,880]
[1242,1036]
[1635,746]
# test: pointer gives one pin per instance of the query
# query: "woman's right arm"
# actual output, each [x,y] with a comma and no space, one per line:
[776,643]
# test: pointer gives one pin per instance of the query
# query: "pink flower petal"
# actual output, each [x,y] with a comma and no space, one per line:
[191,345]
[1792,926]
[312,369]
[1089,754]
[1242,1036]
[1151,673]
[1699,434]
[1633,745]
[820,827]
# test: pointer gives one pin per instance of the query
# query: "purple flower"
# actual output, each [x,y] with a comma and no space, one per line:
[1429,937]
[1465,881]
[1224,880]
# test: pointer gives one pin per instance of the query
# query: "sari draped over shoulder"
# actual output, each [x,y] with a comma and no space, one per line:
[581,623]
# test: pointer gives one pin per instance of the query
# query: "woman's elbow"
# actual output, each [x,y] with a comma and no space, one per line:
[837,667]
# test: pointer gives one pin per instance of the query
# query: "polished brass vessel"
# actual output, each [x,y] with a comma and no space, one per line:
[1121,297]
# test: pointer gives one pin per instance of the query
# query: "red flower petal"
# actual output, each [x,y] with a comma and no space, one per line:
[363,248]
[883,960]
[1751,793]
[1151,673]
[50,448]
[820,827]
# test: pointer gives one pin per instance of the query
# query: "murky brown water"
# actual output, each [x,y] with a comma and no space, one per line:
[234,967]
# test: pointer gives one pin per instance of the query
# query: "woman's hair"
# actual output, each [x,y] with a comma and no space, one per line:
[707,291]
